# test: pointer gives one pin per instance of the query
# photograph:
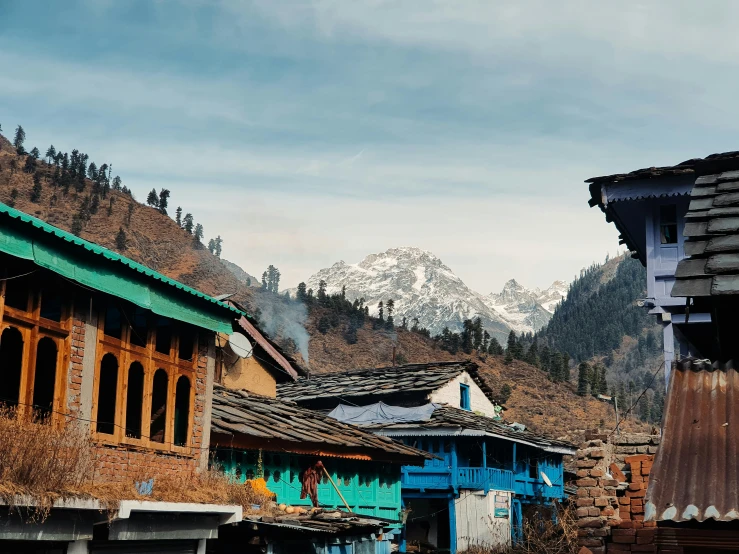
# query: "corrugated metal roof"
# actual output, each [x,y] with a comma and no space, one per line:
[239,412]
[17,215]
[696,470]
[381,382]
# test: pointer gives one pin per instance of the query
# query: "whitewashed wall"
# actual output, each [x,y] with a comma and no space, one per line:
[476,521]
[449,394]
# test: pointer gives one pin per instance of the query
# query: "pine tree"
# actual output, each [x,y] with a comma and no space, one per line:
[92,171]
[30,165]
[505,393]
[211,246]
[178,216]
[555,367]
[477,334]
[219,247]
[152,199]
[495,347]
[188,223]
[321,295]
[131,208]
[198,235]
[512,348]
[532,356]
[323,325]
[390,305]
[35,154]
[264,281]
[163,201]
[120,239]
[565,371]
[36,191]
[20,138]
[302,294]
[380,311]
[117,183]
[583,379]
[545,359]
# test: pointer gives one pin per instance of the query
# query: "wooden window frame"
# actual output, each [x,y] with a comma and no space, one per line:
[33,328]
[151,360]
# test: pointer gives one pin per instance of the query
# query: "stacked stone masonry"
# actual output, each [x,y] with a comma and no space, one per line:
[613,475]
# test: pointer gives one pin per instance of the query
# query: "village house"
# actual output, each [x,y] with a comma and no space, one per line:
[682,222]
[485,474]
[255,435]
[91,339]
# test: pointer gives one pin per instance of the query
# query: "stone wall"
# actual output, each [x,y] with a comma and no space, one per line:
[613,475]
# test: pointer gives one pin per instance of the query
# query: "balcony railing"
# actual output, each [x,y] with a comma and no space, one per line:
[484,478]
[477,478]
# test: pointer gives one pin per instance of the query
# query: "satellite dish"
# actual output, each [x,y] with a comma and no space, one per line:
[240,345]
[546,479]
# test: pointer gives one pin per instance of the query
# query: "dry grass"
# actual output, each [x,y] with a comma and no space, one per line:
[41,463]
[542,536]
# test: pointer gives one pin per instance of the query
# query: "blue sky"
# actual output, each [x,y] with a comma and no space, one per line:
[308,132]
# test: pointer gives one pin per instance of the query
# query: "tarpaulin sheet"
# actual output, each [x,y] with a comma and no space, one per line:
[382,413]
[111,273]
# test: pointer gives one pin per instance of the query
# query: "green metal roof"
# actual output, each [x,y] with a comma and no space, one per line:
[109,272]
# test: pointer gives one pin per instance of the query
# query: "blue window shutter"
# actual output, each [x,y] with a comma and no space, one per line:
[464,397]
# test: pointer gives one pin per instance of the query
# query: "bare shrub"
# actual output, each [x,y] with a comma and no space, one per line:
[542,536]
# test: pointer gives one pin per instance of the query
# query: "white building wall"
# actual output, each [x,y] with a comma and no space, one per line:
[449,394]
[476,521]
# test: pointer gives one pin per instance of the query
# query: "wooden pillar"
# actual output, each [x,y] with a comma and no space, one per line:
[486,481]
[452,526]
[454,465]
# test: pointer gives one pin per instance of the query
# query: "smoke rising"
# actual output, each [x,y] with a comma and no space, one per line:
[283,319]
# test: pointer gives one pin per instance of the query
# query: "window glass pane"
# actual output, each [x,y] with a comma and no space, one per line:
[134,400]
[11,366]
[138,321]
[182,411]
[112,326]
[51,305]
[16,293]
[107,394]
[668,224]
[158,420]
[164,335]
[187,342]
[44,378]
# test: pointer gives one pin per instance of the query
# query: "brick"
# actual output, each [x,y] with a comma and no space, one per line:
[637,501]
[637,509]
[636,494]
[644,548]
[595,492]
[582,492]
[637,517]
[650,524]
[609,482]
[607,512]
[639,458]
[587,482]
[601,501]
[635,486]
[591,522]
[583,512]
[583,473]
[624,533]
[589,542]
[580,502]
[586,463]
[598,453]
[626,524]
[595,472]
[624,501]
[624,539]
[618,475]
[615,547]
[645,536]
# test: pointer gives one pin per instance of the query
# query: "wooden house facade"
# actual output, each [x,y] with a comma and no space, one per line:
[692,492]
[92,339]
[472,493]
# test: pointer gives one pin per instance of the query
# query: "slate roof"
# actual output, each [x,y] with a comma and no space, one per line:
[385,382]
[239,412]
[447,420]
[695,471]
[712,238]
[333,522]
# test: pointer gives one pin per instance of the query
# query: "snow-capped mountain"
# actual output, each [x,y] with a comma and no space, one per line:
[524,309]
[423,287]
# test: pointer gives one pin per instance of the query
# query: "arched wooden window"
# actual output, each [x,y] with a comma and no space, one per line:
[182,411]
[134,400]
[11,366]
[107,394]
[44,378]
[158,423]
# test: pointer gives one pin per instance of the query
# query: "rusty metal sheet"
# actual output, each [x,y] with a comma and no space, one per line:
[696,470]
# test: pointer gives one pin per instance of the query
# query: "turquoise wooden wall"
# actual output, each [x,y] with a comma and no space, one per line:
[370,488]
